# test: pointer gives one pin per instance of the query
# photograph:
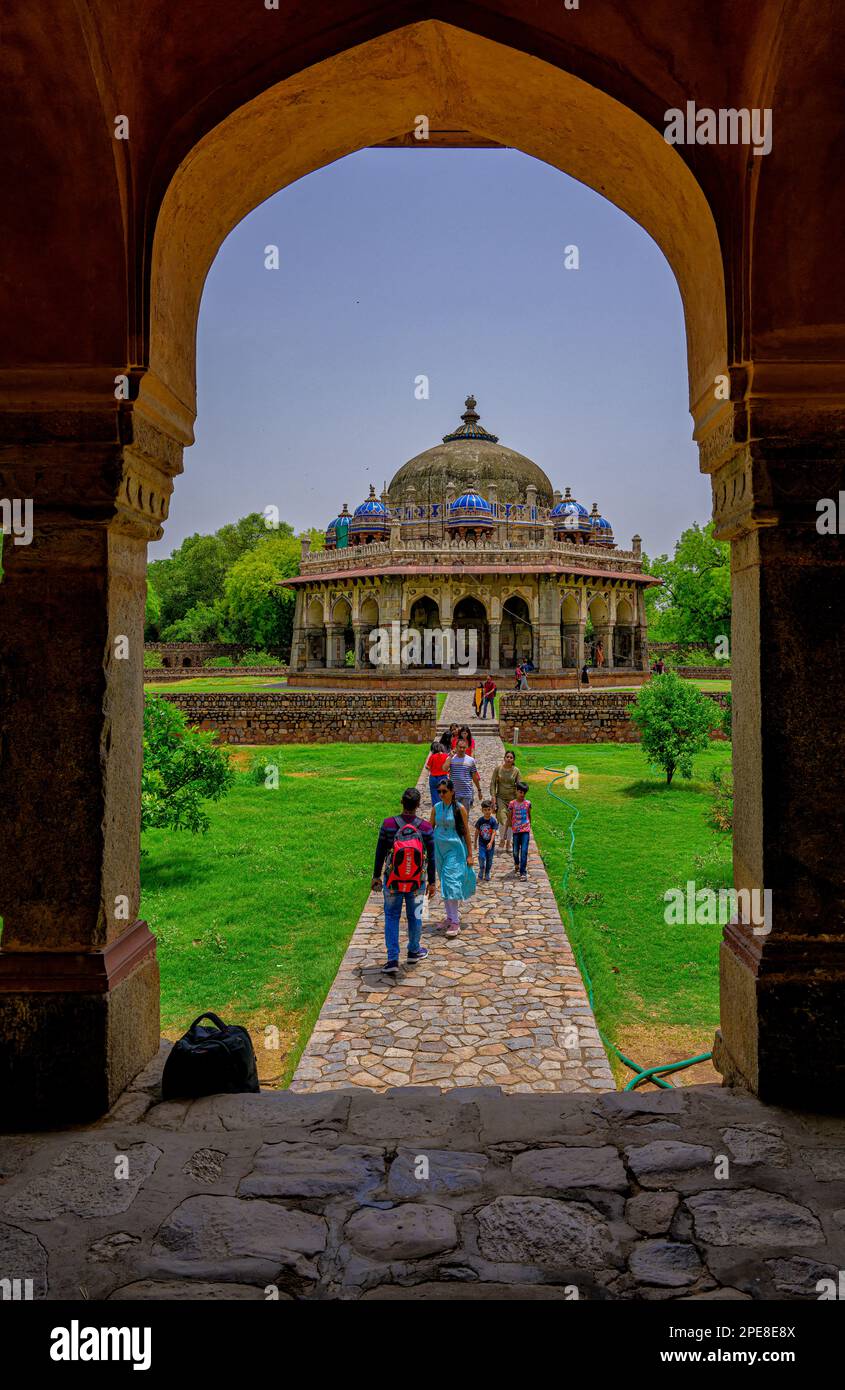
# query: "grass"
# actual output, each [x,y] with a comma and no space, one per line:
[253,918]
[216,684]
[655,986]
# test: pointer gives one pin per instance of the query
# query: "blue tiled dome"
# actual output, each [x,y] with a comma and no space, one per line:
[602,531]
[371,517]
[471,509]
[570,517]
[342,521]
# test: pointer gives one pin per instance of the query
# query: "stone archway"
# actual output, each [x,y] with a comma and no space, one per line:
[768,331]
[472,631]
[424,616]
[516,639]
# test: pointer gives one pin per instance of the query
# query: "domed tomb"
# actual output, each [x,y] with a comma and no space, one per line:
[469,459]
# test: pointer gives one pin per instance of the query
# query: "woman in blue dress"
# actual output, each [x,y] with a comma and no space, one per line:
[452,854]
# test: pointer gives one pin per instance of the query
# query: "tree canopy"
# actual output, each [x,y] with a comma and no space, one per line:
[693,605]
[674,720]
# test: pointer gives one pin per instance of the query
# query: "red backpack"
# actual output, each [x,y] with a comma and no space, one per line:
[407,860]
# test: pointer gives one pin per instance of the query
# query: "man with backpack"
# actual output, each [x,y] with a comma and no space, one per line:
[405,851]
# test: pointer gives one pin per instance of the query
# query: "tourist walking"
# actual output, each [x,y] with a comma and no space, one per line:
[477,697]
[519,814]
[489,701]
[518,674]
[451,739]
[585,675]
[405,852]
[485,841]
[523,678]
[437,766]
[503,792]
[464,772]
[467,736]
[453,855]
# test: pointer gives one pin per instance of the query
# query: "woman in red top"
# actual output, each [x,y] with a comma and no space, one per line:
[468,739]
[437,765]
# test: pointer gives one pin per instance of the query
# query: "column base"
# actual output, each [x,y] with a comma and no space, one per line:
[782,1033]
[74,1029]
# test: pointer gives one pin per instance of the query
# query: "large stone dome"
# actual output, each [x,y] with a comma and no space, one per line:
[470,459]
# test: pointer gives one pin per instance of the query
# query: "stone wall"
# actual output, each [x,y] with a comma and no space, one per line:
[704,673]
[197,653]
[167,674]
[397,717]
[343,678]
[563,716]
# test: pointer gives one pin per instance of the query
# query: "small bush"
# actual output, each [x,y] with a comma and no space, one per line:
[219,661]
[674,720]
[153,661]
[721,814]
[256,658]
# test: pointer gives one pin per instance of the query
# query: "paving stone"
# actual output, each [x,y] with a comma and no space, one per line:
[229,1238]
[113,1246]
[665,1262]
[22,1256]
[747,1144]
[198,1290]
[406,1232]
[206,1165]
[827,1165]
[651,1212]
[799,1276]
[668,1162]
[556,1169]
[448,1292]
[308,1170]
[450,1172]
[540,1231]
[753,1217]
[82,1180]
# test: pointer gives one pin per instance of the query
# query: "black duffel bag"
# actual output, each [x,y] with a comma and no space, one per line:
[210,1060]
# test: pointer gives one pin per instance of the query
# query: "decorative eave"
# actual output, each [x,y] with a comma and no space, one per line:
[420,571]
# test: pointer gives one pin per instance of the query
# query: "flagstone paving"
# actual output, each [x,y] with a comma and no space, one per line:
[503,1004]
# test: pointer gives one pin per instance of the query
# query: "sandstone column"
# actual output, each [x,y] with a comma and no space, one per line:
[495,633]
[79,987]
[783,990]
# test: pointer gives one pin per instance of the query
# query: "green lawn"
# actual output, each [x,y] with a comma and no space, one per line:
[655,986]
[215,684]
[253,918]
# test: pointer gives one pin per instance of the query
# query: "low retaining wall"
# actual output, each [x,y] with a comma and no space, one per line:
[192,654]
[703,673]
[591,716]
[345,679]
[397,717]
[164,673]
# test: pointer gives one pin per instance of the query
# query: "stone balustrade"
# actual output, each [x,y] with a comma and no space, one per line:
[454,551]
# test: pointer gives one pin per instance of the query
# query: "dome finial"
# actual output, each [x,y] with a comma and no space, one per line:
[470,429]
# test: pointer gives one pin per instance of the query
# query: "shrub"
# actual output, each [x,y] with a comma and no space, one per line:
[258,658]
[183,766]
[674,720]
[350,658]
[721,815]
[153,661]
[218,661]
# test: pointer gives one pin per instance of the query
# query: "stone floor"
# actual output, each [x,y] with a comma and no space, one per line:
[503,1004]
[686,1194]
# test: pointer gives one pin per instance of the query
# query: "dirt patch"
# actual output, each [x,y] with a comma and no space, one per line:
[651,1044]
[273,1036]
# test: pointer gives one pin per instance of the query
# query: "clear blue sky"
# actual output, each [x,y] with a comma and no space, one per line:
[448,263]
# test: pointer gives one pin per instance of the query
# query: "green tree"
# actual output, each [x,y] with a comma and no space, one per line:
[193,576]
[693,604]
[674,721]
[152,615]
[258,610]
[183,766]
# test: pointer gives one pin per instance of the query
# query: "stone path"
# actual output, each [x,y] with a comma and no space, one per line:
[503,1004]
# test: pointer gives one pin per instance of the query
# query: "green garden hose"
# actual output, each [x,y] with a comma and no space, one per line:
[641,1074]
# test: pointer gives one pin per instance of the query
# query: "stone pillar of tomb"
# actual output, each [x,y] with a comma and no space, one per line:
[641,661]
[495,634]
[546,632]
[772,457]
[334,634]
[79,983]
[361,632]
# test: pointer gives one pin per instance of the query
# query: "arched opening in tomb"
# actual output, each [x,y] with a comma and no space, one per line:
[424,618]
[368,622]
[315,635]
[571,637]
[516,639]
[472,634]
[340,634]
